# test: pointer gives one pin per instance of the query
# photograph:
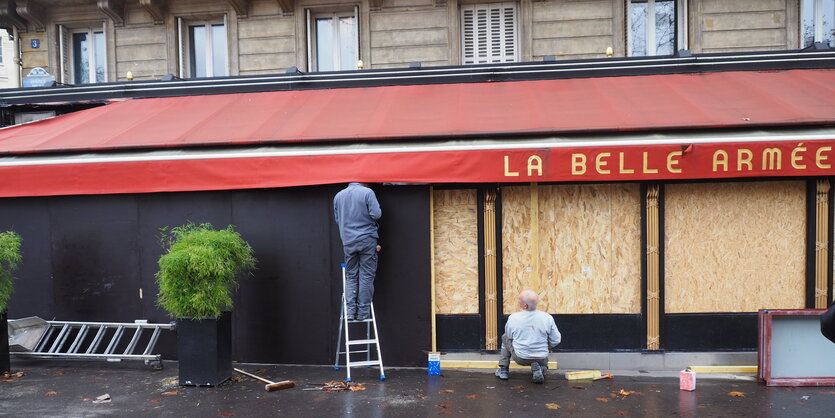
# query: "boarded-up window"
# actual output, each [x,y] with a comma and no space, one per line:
[488,33]
[456,251]
[579,248]
[734,247]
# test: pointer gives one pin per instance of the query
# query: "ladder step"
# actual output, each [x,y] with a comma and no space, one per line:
[359,321]
[364,363]
[358,342]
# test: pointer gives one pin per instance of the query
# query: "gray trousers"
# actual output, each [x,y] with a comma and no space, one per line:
[360,268]
[508,353]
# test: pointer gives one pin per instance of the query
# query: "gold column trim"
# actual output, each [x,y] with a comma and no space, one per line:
[490,277]
[653,269]
[433,307]
[821,243]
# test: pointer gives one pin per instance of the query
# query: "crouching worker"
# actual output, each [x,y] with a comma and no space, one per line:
[528,335]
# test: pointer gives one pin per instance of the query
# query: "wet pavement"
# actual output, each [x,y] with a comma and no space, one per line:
[65,388]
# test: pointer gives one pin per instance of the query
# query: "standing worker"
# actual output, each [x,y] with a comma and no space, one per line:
[356,211]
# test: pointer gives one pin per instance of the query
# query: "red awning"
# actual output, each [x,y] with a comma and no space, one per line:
[435,134]
[441,111]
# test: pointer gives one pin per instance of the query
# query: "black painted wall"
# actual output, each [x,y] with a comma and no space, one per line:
[86,258]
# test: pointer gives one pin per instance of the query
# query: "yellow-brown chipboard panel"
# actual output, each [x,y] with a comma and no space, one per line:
[456,251]
[734,247]
[588,246]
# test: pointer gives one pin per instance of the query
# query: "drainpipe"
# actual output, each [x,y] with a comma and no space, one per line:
[17,73]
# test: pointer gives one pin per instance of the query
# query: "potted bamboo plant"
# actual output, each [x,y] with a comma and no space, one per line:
[197,276]
[10,259]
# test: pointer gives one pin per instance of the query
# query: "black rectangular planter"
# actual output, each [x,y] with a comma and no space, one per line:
[5,364]
[204,350]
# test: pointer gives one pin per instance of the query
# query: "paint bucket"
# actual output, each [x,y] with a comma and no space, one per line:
[687,380]
[434,364]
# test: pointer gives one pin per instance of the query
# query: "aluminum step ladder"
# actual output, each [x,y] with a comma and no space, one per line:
[83,340]
[369,340]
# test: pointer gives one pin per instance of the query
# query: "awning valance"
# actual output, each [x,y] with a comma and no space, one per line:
[788,153]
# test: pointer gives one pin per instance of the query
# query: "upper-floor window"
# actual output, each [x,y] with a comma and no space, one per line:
[82,55]
[203,48]
[489,33]
[818,22]
[333,41]
[652,27]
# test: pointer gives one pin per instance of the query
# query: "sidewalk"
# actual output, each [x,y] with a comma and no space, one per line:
[65,388]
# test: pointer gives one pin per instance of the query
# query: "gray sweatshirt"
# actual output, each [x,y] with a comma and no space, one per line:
[532,332]
[356,211]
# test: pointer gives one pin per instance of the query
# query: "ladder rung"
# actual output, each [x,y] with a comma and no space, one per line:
[358,321]
[358,342]
[364,363]
[353,352]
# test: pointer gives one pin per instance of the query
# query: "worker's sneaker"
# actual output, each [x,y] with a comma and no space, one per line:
[363,317]
[351,317]
[536,370]
[501,373]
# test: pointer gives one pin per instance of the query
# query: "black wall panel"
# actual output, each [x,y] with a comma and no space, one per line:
[597,332]
[33,288]
[709,332]
[460,332]
[86,257]
[95,258]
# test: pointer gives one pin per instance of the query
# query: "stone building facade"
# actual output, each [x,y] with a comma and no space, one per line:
[152,38]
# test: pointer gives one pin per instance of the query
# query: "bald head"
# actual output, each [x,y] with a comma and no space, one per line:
[528,300]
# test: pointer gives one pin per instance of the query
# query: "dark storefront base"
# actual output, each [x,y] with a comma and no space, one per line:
[93,258]
[618,332]
[710,332]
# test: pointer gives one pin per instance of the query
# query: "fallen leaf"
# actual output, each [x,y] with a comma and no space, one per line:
[472,396]
[552,406]
[155,400]
[50,393]
[318,399]
[227,414]
[578,387]
[737,394]
[571,407]
[87,399]
[828,393]
[170,393]
[383,405]
[357,386]
[447,391]
[604,400]
[621,413]
[624,393]
[520,387]
[420,396]
[236,379]
[58,373]
[442,406]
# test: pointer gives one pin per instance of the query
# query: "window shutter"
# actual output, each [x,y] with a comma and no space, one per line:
[64,55]
[488,33]
[509,33]
[468,35]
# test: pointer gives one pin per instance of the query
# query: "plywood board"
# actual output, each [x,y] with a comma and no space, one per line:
[586,247]
[456,251]
[734,247]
